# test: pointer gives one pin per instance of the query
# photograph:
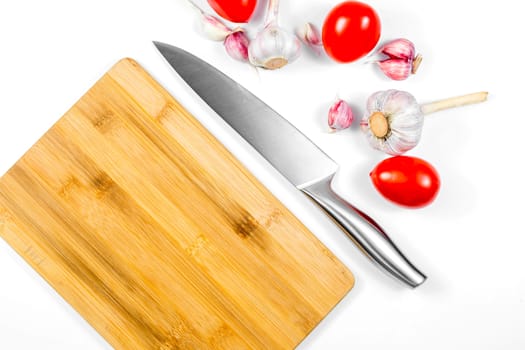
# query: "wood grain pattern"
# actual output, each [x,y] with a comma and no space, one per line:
[157,235]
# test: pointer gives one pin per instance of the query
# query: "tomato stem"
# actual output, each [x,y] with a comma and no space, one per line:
[454,102]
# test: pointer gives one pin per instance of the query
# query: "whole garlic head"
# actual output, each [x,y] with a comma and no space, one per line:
[394,121]
[274,48]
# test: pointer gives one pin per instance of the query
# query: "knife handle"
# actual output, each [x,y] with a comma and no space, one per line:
[365,232]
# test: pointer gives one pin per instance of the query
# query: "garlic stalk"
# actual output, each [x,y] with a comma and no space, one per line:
[273,47]
[394,120]
[453,102]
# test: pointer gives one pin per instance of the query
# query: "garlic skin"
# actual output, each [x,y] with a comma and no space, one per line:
[394,121]
[236,45]
[213,28]
[402,60]
[210,26]
[273,47]
[340,115]
[310,35]
[399,48]
[396,69]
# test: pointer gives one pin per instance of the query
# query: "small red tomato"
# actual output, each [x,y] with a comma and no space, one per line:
[238,11]
[407,181]
[350,31]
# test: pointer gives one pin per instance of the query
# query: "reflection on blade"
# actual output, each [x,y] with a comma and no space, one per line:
[285,147]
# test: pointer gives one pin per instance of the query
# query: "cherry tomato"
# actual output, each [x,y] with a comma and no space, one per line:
[407,181]
[238,11]
[350,31]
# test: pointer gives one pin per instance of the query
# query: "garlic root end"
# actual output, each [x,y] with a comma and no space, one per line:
[275,63]
[415,64]
[378,123]
[454,102]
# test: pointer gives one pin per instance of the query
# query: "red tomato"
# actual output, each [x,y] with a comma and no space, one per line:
[407,181]
[238,11]
[350,31]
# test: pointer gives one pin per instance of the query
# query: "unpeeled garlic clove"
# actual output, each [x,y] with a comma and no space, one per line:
[310,35]
[396,69]
[340,115]
[211,26]
[402,60]
[399,48]
[236,45]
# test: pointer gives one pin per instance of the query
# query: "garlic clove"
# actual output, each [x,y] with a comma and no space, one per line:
[274,48]
[310,35]
[210,26]
[236,45]
[402,59]
[394,121]
[399,48]
[395,68]
[213,28]
[340,115]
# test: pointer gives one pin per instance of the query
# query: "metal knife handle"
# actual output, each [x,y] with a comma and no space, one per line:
[365,232]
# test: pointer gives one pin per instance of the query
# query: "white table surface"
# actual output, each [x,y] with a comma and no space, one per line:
[470,241]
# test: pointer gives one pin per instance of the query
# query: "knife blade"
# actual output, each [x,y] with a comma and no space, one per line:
[297,158]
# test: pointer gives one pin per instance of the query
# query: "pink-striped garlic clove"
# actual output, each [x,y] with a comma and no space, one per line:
[340,115]
[399,48]
[402,60]
[311,37]
[210,26]
[236,45]
[213,28]
[395,68]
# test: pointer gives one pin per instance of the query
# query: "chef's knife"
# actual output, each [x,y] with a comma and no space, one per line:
[292,154]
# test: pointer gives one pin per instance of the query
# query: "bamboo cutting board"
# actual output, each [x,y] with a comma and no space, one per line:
[157,235]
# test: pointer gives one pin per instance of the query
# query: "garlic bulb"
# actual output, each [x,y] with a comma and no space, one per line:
[394,120]
[273,47]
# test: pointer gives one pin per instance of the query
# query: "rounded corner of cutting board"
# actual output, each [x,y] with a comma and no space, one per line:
[127,61]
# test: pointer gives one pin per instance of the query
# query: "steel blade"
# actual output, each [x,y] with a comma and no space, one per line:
[285,147]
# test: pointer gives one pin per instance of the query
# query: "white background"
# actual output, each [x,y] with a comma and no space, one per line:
[470,241]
